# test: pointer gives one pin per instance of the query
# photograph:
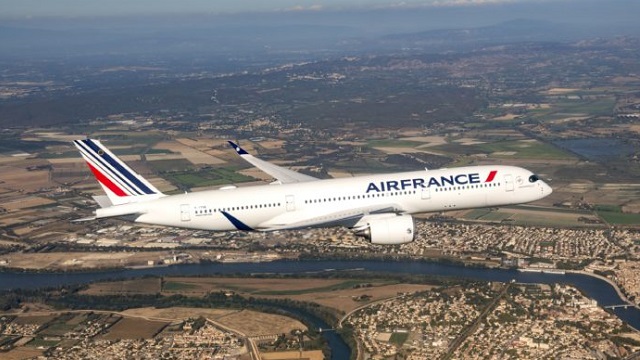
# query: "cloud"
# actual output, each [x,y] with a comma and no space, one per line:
[409,4]
[314,7]
[451,3]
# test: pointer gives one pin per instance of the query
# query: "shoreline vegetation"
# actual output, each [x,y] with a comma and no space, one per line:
[290,308]
[344,257]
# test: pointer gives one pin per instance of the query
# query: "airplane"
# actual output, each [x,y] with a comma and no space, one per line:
[376,207]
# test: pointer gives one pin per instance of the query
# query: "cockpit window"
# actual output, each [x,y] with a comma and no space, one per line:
[533,178]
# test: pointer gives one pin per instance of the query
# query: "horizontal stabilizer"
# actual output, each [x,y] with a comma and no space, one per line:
[103,201]
[90,218]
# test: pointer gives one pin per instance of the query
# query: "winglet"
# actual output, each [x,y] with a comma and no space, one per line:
[281,174]
[237,148]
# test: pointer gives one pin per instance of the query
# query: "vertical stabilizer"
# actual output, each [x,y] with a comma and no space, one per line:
[121,184]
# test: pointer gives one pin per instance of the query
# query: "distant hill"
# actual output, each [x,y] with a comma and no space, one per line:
[521,30]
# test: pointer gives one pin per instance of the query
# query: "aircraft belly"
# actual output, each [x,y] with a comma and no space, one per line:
[216,222]
[473,199]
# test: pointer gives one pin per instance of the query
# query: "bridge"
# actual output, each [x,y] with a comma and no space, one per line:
[321,330]
[624,306]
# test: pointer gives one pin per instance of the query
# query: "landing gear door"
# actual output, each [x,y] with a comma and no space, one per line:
[185,212]
[508,181]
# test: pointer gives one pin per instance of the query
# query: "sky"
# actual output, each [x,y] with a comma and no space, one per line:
[76,8]
[369,16]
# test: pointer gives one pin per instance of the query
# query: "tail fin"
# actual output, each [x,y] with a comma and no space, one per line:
[121,184]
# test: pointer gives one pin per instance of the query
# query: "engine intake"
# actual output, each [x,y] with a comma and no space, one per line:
[387,229]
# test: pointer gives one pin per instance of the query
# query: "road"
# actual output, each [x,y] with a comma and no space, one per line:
[474,325]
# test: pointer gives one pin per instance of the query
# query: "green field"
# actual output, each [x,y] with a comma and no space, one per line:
[340,286]
[533,216]
[613,215]
[40,342]
[365,165]
[170,165]
[178,286]
[619,218]
[146,139]
[564,108]
[477,214]
[519,149]
[399,338]
[140,151]
[524,150]
[496,216]
[207,177]
[608,208]
[58,155]
[487,215]
[394,143]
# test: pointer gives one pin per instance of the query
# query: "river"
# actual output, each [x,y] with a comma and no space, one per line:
[593,287]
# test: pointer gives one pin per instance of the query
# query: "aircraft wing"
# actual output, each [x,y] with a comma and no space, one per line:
[347,217]
[283,175]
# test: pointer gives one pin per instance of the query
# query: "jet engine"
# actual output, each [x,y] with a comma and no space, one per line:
[386,229]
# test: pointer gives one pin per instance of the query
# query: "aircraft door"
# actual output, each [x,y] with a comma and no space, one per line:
[508,181]
[426,193]
[291,202]
[185,212]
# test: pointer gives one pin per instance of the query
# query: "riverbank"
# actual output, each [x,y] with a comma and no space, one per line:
[610,282]
[595,287]
[592,286]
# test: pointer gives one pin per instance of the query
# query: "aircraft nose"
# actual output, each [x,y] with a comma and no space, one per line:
[546,189]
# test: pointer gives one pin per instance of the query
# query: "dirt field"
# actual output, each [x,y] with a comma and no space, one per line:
[336,174]
[428,140]
[137,286]
[21,353]
[177,313]
[160,183]
[132,328]
[34,320]
[272,144]
[249,322]
[343,300]
[52,135]
[253,323]
[527,216]
[339,294]
[507,117]
[403,150]
[74,160]
[154,157]
[19,178]
[26,202]
[256,174]
[251,286]
[193,155]
[336,293]
[34,261]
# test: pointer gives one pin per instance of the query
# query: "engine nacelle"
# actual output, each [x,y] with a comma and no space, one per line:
[386,229]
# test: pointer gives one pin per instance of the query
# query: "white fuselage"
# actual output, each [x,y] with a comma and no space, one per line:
[279,205]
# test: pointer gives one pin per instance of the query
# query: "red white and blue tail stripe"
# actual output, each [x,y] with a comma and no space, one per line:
[120,182]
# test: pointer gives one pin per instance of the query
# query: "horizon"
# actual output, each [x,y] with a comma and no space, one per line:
[384,14]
